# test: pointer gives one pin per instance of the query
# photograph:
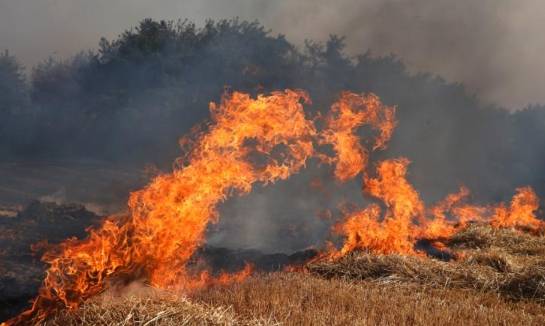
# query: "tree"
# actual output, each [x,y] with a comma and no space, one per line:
[13,102]
[13,88]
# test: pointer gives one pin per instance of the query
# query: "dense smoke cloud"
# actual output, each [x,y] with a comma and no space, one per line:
[493,47]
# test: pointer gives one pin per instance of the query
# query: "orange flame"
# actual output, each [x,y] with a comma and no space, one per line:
[396,231]
[168,218]
[520,213]
[349,113]
[406,219]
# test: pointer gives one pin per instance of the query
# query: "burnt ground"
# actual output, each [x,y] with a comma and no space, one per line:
[103,187]
[21,271]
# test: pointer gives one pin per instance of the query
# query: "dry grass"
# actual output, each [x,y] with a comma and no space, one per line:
[151,309]
[511,242]
[141,311]
[302,299]
[507,262]
[483,273]
[500,280]
[298,299]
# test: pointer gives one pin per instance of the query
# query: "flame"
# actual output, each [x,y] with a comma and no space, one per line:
[439,226]
[406,220]
[167,219]
[396,231]
[349,113]
[252,141]
[521,211]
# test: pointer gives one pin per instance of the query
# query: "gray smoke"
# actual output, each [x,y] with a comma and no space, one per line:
[493,47]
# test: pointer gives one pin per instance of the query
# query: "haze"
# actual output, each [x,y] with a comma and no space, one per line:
[493,46]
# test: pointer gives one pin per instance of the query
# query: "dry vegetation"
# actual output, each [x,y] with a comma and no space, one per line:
[299,299]
[499,279]
[136,310]
[502,261]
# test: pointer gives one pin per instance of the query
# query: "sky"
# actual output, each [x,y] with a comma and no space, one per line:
[494,47]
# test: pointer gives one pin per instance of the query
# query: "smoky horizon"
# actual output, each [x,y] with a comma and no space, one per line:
[492,47]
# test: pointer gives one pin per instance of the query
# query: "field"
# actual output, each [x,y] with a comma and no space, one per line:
[497,277]
[481,275]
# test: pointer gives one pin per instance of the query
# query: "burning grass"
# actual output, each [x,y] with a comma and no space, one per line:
[503,261]
[497,277]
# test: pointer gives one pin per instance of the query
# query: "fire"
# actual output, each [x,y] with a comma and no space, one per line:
[350,112]
[395,232]
[520,213]
[250,142]
[406,220]
[167,219]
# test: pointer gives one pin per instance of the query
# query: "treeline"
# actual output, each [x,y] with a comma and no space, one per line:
[133,98]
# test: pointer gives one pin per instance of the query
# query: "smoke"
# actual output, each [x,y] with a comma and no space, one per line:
[479,43]
[288,216]
[131,105]
[493,47]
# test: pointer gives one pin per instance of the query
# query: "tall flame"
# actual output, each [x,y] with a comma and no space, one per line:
[167,219]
